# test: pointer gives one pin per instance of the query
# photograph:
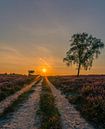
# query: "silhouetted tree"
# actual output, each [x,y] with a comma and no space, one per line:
[84,48]
[30,72]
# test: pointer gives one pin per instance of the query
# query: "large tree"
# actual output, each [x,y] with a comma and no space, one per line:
[84,48]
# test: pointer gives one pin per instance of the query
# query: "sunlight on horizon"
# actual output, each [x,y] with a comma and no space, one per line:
[44,70]
[35,34]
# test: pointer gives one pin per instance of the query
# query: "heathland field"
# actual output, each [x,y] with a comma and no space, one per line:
[86,94]
[53,102]
[10,83]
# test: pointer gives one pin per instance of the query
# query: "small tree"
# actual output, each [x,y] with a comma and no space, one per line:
[30,72]
[84,48]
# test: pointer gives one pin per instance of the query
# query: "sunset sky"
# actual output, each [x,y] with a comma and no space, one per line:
[35,34]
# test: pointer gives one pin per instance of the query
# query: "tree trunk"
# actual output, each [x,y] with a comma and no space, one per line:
[79,67]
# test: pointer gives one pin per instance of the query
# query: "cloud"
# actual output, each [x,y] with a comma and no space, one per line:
[10,55]
[8,50]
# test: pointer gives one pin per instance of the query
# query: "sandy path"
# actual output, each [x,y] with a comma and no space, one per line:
[9,100]
[25,116]
[71,118]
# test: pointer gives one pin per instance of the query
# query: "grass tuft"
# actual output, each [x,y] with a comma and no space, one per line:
[50,117]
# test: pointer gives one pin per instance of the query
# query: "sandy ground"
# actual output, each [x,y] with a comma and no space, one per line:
[71,118]
[9,100]
[25,116]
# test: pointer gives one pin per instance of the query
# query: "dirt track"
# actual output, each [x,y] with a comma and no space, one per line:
[71,118]
[24,118]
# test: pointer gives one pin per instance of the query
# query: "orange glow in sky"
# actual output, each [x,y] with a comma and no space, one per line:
[39,39]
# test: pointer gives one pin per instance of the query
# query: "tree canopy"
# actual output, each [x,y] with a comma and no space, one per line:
[84,48]
[30,72]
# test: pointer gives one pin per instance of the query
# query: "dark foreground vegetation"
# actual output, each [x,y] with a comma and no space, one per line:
[87,94]
[10,83]
[49,115]
[16,104]
[8,111]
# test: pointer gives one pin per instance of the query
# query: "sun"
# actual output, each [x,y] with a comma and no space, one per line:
[44,70]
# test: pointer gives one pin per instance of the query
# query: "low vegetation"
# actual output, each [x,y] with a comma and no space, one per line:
[11,83]
[48,113]
[15,105]
[87,94]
